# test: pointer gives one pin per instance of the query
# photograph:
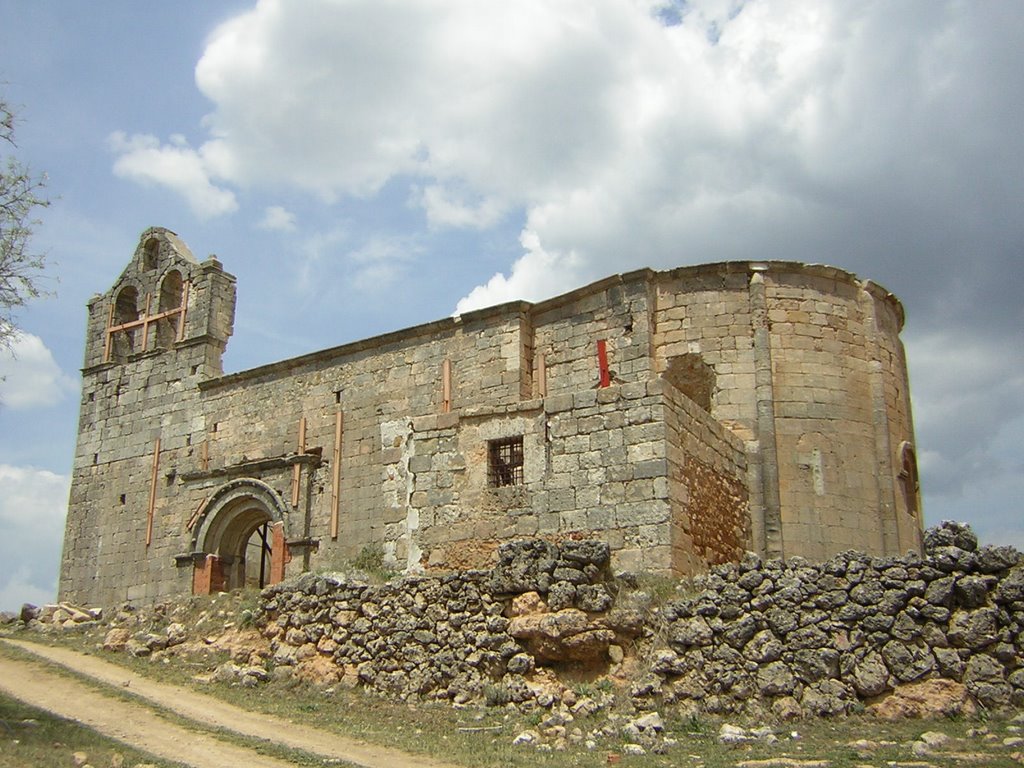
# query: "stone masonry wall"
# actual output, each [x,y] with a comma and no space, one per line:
[833,381]
[706,311]
[707,471]
[684,417]
[567,329]
[823,347]
[599,463]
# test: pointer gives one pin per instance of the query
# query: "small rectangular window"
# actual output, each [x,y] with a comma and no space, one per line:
[505,462]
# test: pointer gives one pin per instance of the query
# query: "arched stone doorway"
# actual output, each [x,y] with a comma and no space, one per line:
[240,538]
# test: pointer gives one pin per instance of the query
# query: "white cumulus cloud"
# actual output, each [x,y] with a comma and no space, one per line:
[536,274]
[30,377]
[629,133]
[446,207]
[176,165]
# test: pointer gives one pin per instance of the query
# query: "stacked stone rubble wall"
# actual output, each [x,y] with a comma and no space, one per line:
[801,637]
[452,637]
[792,637]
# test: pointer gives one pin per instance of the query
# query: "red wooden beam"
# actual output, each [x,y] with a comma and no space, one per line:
[602,363]
[152,493]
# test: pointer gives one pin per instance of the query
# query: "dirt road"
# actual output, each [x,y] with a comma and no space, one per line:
[136,724]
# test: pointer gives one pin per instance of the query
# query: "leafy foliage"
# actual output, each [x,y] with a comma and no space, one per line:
[371,561]
[21,194]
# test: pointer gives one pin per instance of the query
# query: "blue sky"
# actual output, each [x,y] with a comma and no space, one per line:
[364,165]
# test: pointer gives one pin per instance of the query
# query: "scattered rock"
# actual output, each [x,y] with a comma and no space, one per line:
[526,737]
[933,739]
[117,639]
[732,734]
[28,612]
[950,534]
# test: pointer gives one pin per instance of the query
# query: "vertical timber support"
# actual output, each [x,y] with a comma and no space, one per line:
[297,468]
[279,555]
[771,504]
[446,386]
[109,335]
[605,376]
[145,323]
[180,336]
[152,492]
[339,419]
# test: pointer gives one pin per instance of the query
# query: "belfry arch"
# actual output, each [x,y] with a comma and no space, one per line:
[239,538]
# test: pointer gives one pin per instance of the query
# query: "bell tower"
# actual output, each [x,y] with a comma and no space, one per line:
[164,301]
[151,340]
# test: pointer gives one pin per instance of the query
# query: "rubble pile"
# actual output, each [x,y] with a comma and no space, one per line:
[58,616]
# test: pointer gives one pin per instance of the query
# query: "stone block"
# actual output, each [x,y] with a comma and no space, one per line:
[558,403]
[650,468]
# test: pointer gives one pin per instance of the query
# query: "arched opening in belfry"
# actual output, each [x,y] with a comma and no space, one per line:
[151,253]
[126,310]
[171,296]
[693,377]
[241,540]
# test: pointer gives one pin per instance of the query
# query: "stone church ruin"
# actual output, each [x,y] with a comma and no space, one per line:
[684,417]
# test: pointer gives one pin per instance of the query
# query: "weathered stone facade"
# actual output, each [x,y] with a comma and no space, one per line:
[684,417]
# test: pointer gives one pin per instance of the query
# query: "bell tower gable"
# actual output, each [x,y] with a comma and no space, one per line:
[165,301]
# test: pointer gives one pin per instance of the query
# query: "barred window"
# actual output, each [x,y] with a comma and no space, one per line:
[505,462]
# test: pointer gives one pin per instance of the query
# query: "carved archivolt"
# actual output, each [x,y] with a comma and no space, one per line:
[233,512]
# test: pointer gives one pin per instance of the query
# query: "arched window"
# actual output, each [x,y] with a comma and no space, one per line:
[171,291]
[126,310]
